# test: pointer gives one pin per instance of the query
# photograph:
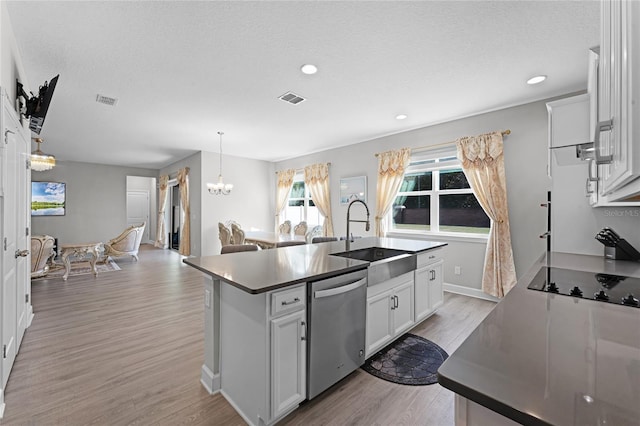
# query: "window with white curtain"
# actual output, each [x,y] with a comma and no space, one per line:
[300,206]
[435,198]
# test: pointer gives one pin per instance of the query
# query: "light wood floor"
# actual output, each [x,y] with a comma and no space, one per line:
[127,347]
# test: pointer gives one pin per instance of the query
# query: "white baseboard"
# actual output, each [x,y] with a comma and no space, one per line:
[468,291]
[30,315]
[1,403]
[235,407]
[210,381]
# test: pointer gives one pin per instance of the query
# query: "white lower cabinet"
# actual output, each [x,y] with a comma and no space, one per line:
[390,311]
[428,287]
[263,351]
[397,305]
[288,361]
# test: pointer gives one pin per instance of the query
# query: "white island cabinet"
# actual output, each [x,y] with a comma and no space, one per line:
[261,349]
[390,311]
[397,305]
[428,284]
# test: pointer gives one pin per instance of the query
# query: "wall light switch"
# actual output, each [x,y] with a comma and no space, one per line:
[457,270]
[207,298]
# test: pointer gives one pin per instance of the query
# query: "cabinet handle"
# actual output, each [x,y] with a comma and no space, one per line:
[588,191]
[303,334]
[393,302]
[290,302]
[591,177]
[397,302]
[603,126]
[432,256]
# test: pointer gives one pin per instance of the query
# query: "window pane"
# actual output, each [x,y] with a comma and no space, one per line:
[416,182]
[311,203]
[296,203]
[462,213]
[453,179]
[314,218]
[412,212]
[297,190]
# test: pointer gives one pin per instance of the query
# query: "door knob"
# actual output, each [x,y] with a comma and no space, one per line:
[22,253]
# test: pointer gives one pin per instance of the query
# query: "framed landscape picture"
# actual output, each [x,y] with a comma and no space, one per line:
[353,188]
[48,198]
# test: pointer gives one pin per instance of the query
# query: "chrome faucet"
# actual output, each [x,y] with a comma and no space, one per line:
[349,238]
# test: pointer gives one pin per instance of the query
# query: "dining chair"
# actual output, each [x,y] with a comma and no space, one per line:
[315,240]
[316,231]
[300,229]
[290,243]
[224,234]
[237,234]
[237,248]
[285,227]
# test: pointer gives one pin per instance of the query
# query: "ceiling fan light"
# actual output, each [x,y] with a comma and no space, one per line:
[40,161]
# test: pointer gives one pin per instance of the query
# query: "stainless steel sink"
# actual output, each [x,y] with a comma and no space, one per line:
[384,263]
[370,254]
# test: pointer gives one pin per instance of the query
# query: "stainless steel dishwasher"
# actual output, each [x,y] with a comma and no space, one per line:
[336,313]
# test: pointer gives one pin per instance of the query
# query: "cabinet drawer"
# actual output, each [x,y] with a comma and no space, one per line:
[288,300]
[429,257]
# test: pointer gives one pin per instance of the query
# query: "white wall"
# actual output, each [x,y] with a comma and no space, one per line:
[96,201]
[575,223]
[251,203]
[527,181]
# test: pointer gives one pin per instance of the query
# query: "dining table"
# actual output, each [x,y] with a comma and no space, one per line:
[267,240]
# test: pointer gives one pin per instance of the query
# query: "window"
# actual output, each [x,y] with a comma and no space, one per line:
[435,197]
[300,205]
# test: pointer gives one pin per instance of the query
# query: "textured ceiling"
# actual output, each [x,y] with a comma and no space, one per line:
[184,70]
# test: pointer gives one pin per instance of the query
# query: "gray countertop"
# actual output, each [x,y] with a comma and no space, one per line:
[265,270]
[540,358]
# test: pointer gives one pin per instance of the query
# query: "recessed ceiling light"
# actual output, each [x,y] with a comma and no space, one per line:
[309,69]
[401,116]
[537,79]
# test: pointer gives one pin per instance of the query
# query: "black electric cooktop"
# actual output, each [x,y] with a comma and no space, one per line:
[587,285]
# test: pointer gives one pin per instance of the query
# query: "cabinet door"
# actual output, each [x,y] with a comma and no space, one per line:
[288,362]
[403,317]
[617,102]
[436,296]
[379,321]
[422,302]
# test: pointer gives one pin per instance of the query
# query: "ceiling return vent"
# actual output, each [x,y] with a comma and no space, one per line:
[106,100]
[291,98]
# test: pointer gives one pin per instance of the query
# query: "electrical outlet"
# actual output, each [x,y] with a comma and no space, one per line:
[457,270]
[207,298]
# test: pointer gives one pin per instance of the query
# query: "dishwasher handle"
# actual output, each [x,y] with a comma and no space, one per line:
[339,290]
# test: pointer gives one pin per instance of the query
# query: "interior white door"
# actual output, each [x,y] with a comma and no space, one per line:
[23,225]
[138,210]
[9,247]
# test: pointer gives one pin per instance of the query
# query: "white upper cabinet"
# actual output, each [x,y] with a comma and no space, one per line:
[618,136]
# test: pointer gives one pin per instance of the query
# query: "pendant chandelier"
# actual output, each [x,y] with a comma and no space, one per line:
[220,188]
[41,161]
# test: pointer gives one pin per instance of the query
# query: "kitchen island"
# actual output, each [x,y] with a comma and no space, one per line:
[256,316]
[541,358]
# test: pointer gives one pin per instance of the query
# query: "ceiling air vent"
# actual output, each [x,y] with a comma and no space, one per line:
[106,100]
[291,98]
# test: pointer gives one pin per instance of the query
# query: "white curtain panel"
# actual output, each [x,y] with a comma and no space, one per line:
[285,182]
[391,169]
[483,164]
[316,178]
[161,229]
